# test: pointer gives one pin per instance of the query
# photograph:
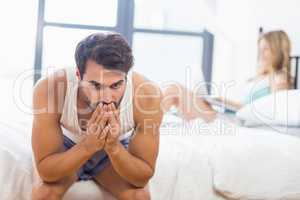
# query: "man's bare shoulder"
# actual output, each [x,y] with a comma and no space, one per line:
[147,98]
[49,93]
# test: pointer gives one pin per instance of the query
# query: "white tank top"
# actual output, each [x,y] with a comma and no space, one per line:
[69,120]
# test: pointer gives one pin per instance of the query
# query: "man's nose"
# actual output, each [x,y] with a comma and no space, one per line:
[106,96]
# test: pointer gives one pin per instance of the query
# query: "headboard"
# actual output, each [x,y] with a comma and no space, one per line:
[295,61]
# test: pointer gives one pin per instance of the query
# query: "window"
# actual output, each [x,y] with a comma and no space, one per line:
[163,35]
[59,45]
[168,15]
[169,38]
[161,54]
[88,12]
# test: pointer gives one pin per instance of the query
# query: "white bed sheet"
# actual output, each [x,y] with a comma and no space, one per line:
[182,172]
[248,163]
[184,168]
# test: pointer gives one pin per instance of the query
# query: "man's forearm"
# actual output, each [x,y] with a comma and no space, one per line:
[134,170]
[59,165]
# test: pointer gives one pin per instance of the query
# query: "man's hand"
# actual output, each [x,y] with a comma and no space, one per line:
[96,130]
[112,140]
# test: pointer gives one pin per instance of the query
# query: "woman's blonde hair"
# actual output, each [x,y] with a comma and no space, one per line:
[280,46]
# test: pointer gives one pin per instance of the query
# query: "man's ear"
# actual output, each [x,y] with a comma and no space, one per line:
[78,73]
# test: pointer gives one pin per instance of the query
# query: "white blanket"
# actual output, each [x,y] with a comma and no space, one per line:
[181,172]
[250,163]
[191,163]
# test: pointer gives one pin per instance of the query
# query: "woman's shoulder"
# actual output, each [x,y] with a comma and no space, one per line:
[276,77]
[258,79]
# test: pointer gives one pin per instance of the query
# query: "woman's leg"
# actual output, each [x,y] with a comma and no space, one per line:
[189,105]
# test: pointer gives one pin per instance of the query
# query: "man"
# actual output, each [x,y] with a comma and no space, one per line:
[99,122]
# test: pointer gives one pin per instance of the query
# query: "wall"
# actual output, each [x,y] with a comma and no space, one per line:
[235,44]
[236,28]
[280,15]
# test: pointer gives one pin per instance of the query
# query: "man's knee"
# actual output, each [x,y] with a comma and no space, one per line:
[52,191]
[141,194]
[44,192]
[137,194]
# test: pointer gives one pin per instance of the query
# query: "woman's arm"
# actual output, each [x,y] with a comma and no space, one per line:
[232,103]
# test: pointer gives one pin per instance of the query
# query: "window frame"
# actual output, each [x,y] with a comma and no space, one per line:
[124,26]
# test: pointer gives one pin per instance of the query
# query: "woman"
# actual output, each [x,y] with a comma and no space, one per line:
[273,75]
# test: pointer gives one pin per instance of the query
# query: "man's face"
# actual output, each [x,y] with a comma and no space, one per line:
[100,85]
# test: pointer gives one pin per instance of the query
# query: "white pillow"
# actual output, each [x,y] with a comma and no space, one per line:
[278,108]
[257,166]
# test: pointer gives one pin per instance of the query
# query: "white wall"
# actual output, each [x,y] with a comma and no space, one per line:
[284,15]
[236,29]
[235,43]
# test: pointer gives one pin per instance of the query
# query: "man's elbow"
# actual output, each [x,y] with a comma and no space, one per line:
[144,179]
[47,176]
[50,179]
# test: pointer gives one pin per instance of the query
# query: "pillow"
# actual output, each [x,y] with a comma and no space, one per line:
[278,108]
[261,165]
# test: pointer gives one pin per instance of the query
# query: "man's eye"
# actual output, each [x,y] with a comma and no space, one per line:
[97,87]
[116,86]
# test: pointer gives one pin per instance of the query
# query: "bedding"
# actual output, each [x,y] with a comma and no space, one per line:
[257,164]
[193,163]
[251,163]
[279,108]
[180,172]
[15,162]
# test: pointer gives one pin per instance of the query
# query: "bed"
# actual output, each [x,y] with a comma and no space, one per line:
[196,161]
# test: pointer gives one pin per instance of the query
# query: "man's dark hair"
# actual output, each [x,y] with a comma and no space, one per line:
[108,49]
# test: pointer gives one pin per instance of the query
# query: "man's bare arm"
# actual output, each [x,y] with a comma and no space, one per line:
[53,163]
[137,165]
